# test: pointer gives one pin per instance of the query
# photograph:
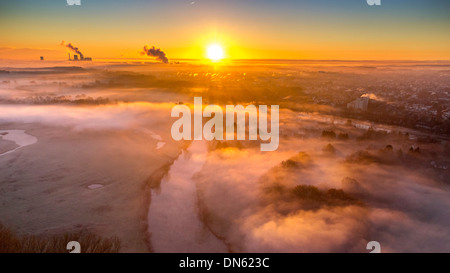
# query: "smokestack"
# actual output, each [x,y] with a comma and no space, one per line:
[155,52]
[73,48]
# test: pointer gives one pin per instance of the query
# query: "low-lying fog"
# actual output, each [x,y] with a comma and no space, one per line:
[333,185]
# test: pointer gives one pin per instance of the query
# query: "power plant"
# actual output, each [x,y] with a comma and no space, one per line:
[76,50]
[82,58]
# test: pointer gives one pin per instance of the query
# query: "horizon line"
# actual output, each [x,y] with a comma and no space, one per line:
[249,59]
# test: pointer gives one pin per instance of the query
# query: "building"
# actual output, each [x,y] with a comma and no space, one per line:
[79,58]
[359,104]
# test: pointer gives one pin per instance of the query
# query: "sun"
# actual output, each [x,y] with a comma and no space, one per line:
[215,52]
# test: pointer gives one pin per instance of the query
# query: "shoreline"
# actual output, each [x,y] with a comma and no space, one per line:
[152,182]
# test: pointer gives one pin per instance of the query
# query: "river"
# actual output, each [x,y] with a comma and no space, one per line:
[173,218]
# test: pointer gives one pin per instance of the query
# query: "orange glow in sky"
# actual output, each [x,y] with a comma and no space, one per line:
[346,30]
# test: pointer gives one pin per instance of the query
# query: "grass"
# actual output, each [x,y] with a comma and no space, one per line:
[89,242]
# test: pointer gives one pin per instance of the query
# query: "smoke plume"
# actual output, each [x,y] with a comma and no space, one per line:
[73,48]
[155,52]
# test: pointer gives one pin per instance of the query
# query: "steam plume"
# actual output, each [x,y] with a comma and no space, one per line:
[155,52]
[73,48]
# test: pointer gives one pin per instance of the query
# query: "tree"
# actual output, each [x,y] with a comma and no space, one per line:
[342,136]
[328,134]
[329,149]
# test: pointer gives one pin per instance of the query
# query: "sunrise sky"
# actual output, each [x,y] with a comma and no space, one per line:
[246,29]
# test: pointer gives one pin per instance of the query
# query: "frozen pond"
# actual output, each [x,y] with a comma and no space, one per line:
[19,137]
